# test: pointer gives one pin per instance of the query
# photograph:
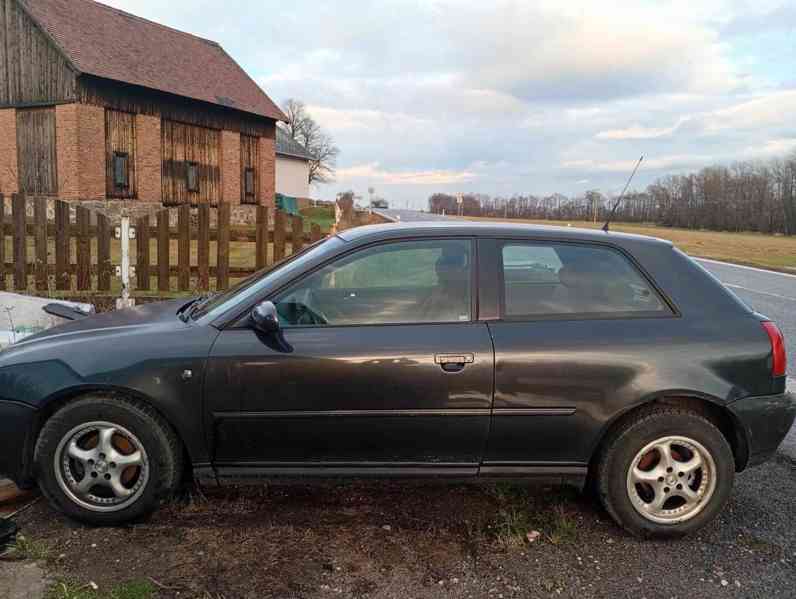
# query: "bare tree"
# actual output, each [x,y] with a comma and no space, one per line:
[319,144]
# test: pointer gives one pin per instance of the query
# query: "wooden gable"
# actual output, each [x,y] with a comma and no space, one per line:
[33,71]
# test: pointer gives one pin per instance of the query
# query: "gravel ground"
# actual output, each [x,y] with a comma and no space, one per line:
[383,540]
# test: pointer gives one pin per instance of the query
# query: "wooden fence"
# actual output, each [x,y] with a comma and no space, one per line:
[50,245]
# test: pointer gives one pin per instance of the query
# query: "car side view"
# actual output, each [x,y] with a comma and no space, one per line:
[448,350]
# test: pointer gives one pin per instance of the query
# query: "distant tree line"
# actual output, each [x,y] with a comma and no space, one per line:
[746,196]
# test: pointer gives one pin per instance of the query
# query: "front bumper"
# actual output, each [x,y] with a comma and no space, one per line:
[765,421]
[16,424]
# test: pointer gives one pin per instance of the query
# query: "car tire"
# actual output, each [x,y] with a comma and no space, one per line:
[665,472]
[107,459]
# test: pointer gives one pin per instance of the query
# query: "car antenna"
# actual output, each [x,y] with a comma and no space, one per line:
[621,195]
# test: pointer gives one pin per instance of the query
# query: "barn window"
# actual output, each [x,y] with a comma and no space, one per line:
[121,170]
[192,176]
[249,181]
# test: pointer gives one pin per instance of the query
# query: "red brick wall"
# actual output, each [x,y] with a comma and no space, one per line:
[230,167]
[268,168]
[8,151]
[80,141]
[148,158]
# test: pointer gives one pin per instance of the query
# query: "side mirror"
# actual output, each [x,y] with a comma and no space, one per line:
[265,317]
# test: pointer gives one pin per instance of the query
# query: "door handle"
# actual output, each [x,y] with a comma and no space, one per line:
[453,362]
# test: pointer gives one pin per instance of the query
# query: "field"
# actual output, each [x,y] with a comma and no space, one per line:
[775,252]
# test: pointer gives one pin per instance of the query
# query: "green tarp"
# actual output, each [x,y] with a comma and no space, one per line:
[287,204]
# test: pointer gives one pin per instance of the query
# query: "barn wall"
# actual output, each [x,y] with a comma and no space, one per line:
[249,159]
[8,151]
[267,158]
[120,136]
[183,143]
[148,158]
[80,133]
[131,98]
[32,69]
[36,151]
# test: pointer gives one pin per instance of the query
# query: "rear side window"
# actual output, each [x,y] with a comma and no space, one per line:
[548,279]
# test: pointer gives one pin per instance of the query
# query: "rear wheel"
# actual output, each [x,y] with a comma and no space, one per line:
[107,460]
[665,472]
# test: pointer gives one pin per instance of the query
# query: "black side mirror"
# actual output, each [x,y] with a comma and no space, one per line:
[265,317]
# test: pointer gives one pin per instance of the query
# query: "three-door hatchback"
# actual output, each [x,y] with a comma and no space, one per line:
[446,350]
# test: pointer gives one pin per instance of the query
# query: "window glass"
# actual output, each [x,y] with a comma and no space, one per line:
[403,282]
[557,279]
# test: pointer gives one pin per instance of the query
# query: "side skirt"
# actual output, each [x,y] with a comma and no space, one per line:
[570,474]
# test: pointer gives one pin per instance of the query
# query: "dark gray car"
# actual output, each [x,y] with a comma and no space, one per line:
[444,350]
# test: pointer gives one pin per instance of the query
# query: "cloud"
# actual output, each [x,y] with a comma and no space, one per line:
[373,172]
[638,132]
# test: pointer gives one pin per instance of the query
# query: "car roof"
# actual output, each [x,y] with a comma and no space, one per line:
[490,229]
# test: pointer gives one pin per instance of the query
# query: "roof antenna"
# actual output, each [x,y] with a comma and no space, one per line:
[616,205]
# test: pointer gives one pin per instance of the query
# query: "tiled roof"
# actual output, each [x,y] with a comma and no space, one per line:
[287,146]
[109,43]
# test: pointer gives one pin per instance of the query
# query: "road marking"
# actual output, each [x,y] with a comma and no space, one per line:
[777,295]
[763,270]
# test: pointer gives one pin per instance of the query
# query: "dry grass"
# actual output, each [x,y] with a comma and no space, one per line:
[776,252]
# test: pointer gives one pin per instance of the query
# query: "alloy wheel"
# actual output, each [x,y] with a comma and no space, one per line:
[101,466]
[671,479]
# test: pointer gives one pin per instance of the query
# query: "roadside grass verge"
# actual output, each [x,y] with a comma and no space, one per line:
[773,252]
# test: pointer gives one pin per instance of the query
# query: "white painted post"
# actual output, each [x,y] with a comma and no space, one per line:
[124,234]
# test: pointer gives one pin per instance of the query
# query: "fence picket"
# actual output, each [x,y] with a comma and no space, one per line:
[164,275]
[315,232]
[2,242]
[203,247]
[63,281]
[103,253]
[184,247]
[297,234]
[222,247]
[261,247]
[279,235]
[20,242]
[142,253]
[40,242]
[83,249]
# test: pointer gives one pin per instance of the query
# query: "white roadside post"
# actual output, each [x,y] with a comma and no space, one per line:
[125,233]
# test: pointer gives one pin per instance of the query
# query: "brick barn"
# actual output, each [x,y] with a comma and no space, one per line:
[98,104]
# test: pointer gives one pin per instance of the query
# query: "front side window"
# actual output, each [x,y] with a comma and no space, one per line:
[121,176]
[547,279]
[402,282]
[192,176]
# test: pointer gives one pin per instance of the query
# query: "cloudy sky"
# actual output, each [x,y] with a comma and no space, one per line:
[507,97]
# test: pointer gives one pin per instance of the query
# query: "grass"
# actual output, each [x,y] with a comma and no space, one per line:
[775,252]
[27,548]
[135,589]
[517,518]
[321,215]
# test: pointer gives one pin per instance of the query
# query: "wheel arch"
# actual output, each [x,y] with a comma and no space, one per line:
[58,400]
[711,407]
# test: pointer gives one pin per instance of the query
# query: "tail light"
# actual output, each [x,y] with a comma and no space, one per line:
[780,362]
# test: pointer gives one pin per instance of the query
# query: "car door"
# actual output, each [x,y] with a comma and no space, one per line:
[380,365]
[576,328]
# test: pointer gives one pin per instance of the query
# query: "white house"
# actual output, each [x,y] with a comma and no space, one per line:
[292,166]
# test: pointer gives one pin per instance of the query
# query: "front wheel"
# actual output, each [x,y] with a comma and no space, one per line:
[107,460]
[666,472]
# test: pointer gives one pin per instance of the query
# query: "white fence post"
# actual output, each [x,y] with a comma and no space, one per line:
[125,233]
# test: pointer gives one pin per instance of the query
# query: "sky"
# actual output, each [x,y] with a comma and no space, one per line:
[506,97]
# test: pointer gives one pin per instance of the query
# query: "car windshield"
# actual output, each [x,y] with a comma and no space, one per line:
[219,303]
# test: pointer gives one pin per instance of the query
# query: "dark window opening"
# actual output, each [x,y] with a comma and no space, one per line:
[249,181]
[192,176]
[121,170]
